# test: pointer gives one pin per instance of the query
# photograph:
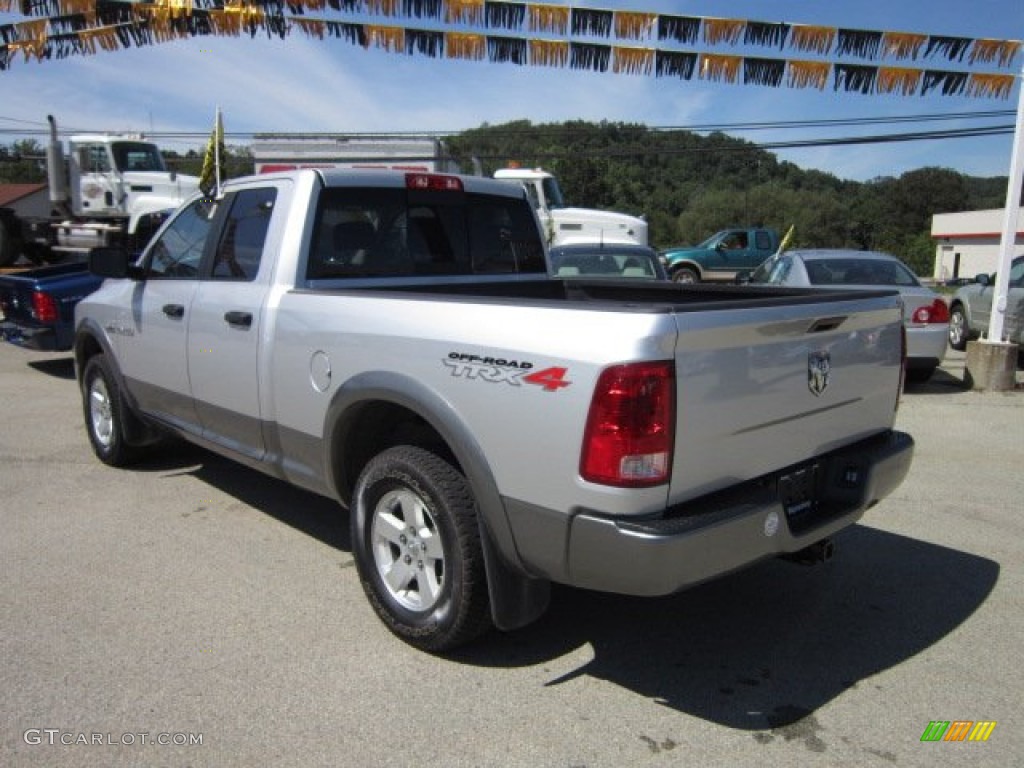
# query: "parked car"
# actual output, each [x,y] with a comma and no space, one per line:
[971,307]
[606,260]
[721,256]
[925,313]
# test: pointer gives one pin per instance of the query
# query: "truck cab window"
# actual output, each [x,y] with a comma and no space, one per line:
[137,156]
[241,246]
[95,159]
[179,250]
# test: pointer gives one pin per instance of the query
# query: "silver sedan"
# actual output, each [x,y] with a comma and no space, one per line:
[925,313]
[971,308]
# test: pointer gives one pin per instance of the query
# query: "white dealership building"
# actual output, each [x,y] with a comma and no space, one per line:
[967,244]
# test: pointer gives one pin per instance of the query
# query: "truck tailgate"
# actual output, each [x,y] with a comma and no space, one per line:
[762,389]
[37,306]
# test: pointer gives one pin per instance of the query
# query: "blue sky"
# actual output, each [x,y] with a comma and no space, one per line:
[301,84]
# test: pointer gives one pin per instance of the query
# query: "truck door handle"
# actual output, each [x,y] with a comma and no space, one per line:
[241,319]
[174,310]
[826,324]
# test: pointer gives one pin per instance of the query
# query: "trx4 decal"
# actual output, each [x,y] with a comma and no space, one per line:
[498,369]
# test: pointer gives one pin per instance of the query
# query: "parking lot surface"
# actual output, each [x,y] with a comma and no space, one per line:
[190,612]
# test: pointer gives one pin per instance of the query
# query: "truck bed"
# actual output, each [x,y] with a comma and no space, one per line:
[743,358]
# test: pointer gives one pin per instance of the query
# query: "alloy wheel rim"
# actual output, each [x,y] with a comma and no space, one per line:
[407,550]
[101,413]
[956,327]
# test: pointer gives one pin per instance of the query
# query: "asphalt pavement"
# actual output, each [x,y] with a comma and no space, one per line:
[190,612]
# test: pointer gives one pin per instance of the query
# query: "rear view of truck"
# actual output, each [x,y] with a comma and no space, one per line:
[37,307]
[395,343]
[768,431]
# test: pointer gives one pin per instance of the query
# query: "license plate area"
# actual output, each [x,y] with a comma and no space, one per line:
[800,493]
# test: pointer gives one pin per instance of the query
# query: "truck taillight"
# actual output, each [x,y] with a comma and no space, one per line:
[44,307]
[435,182]
[630,428]
[936,312]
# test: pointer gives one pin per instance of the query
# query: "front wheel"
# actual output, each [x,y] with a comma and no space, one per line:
[958,331]
[104,414]
[417,548]
[685,275]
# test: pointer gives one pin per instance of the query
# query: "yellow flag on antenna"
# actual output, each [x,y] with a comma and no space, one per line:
[785,239]
[213,162]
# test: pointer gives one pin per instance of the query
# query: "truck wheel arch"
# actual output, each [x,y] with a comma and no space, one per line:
[397,409]
[680,268]
[89,342]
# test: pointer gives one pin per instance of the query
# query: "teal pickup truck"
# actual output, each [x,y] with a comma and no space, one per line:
[721,256]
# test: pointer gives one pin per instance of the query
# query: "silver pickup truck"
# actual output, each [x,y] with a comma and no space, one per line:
[394,341]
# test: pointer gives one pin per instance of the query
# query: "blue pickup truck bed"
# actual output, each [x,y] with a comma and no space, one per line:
[37,306]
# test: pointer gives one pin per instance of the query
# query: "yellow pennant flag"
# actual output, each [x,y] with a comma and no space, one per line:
[786,239]
[213,162]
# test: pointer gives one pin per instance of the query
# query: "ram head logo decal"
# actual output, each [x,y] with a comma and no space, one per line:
[819,369]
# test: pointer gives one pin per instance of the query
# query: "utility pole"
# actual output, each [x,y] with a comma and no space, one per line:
[1011,215]
[992,363]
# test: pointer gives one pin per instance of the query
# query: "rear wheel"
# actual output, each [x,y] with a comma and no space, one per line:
[958,331]
[685,275]
[417,549]
[104,414]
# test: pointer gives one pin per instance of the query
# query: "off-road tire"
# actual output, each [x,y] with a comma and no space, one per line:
[104,414]
[416,543]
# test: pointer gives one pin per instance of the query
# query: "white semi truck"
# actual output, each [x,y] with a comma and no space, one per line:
[563,224]
[109,189]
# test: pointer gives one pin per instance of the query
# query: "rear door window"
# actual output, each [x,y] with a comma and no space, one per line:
[240,249]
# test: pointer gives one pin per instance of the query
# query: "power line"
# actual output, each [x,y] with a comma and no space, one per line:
[43,130]
[606,152]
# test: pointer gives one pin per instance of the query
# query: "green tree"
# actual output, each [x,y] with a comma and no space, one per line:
[23,163]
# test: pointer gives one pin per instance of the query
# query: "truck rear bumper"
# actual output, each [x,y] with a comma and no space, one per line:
[38,338]
[726,531]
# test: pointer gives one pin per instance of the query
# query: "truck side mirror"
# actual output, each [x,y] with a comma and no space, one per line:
[983,280]
[111,262]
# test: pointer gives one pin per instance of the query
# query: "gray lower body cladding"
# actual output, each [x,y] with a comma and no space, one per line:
[780,513]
